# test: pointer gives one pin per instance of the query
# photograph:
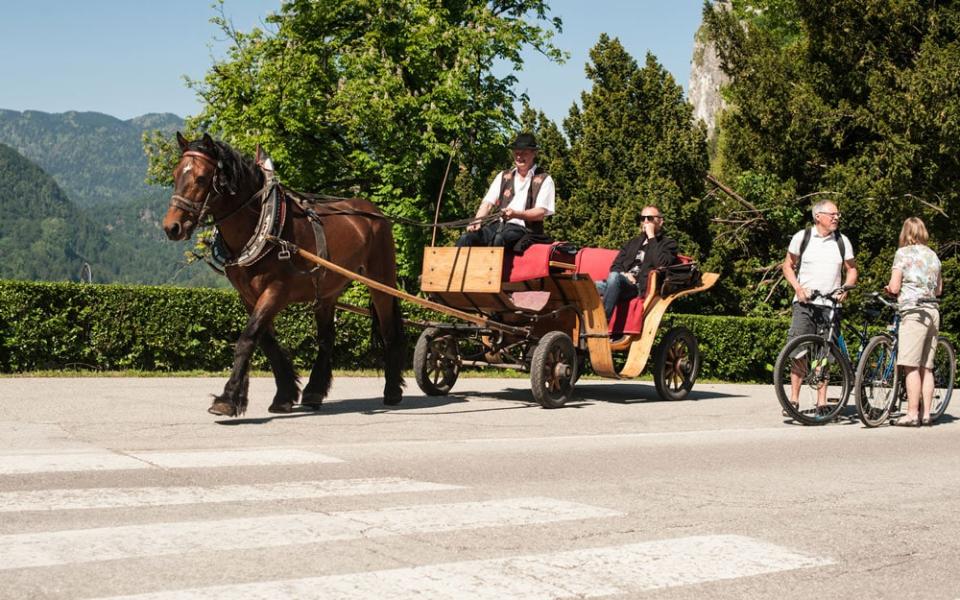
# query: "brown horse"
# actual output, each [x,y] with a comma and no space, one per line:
[213,179]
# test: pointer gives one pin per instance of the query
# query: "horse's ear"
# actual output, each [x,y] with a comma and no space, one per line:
[184,143]
[207,142]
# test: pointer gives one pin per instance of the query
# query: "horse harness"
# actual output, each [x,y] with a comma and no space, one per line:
[274,207]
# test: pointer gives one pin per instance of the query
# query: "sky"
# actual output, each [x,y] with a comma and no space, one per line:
[126,58]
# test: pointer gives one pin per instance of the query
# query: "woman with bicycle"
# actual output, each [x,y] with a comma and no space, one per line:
[915,277]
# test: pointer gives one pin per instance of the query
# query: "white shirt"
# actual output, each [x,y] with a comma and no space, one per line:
[820,267]
[521,187]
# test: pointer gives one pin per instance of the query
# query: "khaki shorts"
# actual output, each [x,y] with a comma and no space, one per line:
[918,337]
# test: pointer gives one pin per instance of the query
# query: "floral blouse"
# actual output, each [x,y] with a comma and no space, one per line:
[921,274]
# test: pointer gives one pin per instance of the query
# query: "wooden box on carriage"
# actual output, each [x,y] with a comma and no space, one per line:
[464,270]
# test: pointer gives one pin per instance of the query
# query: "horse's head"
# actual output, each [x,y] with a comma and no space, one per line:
[197,182]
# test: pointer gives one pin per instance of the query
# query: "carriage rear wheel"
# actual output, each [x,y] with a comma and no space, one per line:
[553,369]
[677,364]
[436,362]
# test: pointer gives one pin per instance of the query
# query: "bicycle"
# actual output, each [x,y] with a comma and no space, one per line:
[824,367]
[880,388]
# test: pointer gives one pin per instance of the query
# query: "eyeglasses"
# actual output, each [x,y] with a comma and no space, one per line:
[829,214]
[650,217]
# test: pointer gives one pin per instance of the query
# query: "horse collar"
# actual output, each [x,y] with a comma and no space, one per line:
[273,215]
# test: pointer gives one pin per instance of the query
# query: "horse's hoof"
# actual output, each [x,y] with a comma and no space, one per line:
[222,409]
[281,407]
[311,401]
[392,400]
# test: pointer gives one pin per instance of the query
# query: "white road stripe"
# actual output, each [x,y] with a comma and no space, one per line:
[109,543]
[18,464]
[233,458]
[79,499]
[576,574]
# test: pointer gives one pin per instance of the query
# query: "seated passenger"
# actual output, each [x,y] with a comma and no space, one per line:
[524,194]
[629,271]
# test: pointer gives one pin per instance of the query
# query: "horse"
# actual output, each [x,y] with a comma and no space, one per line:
[211,178]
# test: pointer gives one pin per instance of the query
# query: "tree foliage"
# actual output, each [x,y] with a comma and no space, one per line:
[632,142]
[853,100]
[370,97]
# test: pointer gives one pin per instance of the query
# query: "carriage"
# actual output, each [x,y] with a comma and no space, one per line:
[540,312]
[537,311]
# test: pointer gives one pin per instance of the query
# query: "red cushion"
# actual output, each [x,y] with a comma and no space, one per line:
[534,263]
[627,317]
[595,262]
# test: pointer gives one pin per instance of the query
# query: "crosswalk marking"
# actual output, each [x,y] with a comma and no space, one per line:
[573,574]
[233,458]
[19,464]
[60,547]
[78,499]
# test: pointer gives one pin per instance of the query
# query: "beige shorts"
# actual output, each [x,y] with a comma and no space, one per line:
[918,337]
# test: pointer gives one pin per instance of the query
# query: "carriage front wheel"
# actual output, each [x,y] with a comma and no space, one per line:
[436,362]
[677,364]
[553,369]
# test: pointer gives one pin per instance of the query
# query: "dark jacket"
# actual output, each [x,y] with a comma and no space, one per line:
[661,252]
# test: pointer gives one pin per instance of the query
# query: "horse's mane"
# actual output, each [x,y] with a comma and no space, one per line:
[235,167]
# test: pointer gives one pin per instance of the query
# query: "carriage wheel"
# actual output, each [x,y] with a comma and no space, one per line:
[436,362]
[677,364]
[553,370]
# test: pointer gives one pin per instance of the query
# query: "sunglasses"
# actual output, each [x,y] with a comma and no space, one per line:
[650,217]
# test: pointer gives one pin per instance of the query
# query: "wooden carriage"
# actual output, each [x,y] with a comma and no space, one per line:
[540,312]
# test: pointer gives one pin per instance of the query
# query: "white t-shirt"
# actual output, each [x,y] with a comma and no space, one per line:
[521,187]
[821,267]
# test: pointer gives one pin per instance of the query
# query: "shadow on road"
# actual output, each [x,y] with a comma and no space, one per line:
[629,393]
[375,406]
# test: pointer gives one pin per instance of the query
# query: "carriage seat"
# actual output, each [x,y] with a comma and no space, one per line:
[534,263]
[627,317]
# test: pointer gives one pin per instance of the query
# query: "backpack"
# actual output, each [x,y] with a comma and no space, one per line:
[806,241]
[679,276]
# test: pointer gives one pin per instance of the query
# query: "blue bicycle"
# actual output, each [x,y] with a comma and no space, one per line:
[880,389]
[813,375]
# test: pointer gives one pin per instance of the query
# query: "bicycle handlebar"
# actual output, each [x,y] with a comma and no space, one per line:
[831,295]
[881,298]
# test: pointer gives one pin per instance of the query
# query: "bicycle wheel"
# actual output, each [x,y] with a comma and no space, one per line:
[876,381]
[944,377]
[821,374]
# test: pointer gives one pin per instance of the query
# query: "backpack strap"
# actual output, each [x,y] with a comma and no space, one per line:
[806,242]
[803,247]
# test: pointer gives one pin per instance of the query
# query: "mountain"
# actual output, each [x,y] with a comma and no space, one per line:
[97,159]
[42,234]
[86,171]
[706,78]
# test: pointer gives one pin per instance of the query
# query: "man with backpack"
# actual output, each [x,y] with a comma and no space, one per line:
[815,260]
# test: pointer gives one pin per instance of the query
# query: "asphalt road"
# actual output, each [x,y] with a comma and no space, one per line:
[127,487]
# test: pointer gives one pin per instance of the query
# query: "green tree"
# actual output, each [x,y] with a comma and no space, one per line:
[853,99]
[369,97]
[632,142]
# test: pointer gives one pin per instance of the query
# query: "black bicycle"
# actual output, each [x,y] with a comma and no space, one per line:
[817,368]
[880,389]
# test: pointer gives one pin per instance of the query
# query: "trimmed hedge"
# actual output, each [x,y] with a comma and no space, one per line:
[115,327]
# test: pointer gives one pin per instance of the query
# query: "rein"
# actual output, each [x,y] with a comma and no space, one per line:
[305,199]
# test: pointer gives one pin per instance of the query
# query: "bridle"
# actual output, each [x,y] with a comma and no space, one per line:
[200,208]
